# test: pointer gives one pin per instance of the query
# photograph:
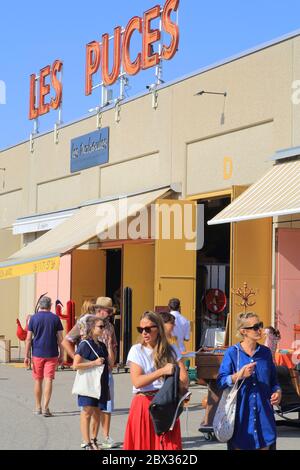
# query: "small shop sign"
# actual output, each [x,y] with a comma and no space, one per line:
[90,150]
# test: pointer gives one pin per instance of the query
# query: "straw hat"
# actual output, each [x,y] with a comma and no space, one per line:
[106,303]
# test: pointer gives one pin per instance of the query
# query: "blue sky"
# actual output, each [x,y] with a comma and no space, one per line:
[34,34]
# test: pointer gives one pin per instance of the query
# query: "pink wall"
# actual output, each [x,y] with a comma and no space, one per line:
[288,284]
[56,283]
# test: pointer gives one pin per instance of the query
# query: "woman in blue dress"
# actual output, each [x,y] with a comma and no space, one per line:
[255,427]
[85,358]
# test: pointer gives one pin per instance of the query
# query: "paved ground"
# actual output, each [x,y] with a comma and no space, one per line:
[20,429]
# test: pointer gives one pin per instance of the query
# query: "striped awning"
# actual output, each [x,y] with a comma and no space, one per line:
[90,221]
[277,193]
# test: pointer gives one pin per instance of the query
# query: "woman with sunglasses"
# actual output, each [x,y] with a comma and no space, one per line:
[150,361]
[255,427]
[86,358]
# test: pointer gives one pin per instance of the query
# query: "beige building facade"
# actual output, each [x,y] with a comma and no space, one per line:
[213,146]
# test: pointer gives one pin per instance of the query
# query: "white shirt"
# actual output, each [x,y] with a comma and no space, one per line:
[143,357]
[181,329]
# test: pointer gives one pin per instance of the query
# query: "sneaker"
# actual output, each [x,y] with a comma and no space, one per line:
[108,443]
[86,446]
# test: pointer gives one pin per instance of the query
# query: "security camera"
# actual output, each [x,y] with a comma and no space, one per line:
[151,87]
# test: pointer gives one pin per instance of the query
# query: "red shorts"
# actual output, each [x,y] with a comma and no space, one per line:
[44,367]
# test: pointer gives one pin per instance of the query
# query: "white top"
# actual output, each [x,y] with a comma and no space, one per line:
[143,357]
[181,329]
[177,352]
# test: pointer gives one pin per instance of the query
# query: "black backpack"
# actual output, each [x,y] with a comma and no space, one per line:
[167,405]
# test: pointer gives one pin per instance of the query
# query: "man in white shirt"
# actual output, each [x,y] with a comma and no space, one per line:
[182,325]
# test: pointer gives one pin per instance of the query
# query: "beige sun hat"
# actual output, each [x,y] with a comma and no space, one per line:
[105,302]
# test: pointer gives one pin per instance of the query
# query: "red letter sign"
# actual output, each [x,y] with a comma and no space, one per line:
[110,78]
[33,112]
[122,41]
[44,91]
[99,56]
[57,85]
[171,28]
[149,37]
[131,68]
[92,64]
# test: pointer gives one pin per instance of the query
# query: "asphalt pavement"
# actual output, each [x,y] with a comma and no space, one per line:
[20,429]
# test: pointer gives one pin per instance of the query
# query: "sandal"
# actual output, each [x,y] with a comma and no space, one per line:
[94,443]
[38,411]
[47,413]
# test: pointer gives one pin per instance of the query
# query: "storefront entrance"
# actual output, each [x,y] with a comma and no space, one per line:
[113,289]
[129,266]
[213,276]
[233,253]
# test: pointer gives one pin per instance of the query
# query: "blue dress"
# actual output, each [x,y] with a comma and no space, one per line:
[255,425]
[85,351]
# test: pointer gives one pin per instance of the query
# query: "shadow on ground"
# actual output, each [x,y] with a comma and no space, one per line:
[193,442]
[66,413]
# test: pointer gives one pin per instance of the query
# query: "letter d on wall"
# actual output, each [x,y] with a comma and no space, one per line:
[227,168]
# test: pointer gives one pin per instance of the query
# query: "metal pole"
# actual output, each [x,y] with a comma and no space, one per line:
[60,106]
[158,69]
[36,121]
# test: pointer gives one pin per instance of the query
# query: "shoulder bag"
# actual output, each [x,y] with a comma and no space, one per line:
[224,420]
[88,381]
[167,404]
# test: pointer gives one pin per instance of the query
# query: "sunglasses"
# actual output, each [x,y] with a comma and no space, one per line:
[100,326]
[147,329]
[256,327]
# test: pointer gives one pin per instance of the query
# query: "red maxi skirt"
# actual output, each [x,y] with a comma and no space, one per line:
[140,435]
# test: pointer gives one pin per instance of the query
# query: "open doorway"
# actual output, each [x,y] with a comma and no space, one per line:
[113,289]
[213,277]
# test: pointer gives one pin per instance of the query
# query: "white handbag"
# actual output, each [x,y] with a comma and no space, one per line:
[88,381]
[224,419]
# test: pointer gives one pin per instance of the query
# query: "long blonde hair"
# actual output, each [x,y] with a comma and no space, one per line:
[163,352]
[87,307]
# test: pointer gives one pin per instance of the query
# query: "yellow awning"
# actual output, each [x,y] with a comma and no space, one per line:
[277,193]
[38,266]
[89,221]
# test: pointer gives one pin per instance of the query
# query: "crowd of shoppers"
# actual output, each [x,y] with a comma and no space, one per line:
[92,343]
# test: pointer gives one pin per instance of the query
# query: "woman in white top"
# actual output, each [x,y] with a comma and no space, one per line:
[150,361]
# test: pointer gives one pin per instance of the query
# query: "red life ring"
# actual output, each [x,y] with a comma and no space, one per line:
[215,300]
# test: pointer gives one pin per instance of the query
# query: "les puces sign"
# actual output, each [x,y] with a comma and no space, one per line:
[97,56]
